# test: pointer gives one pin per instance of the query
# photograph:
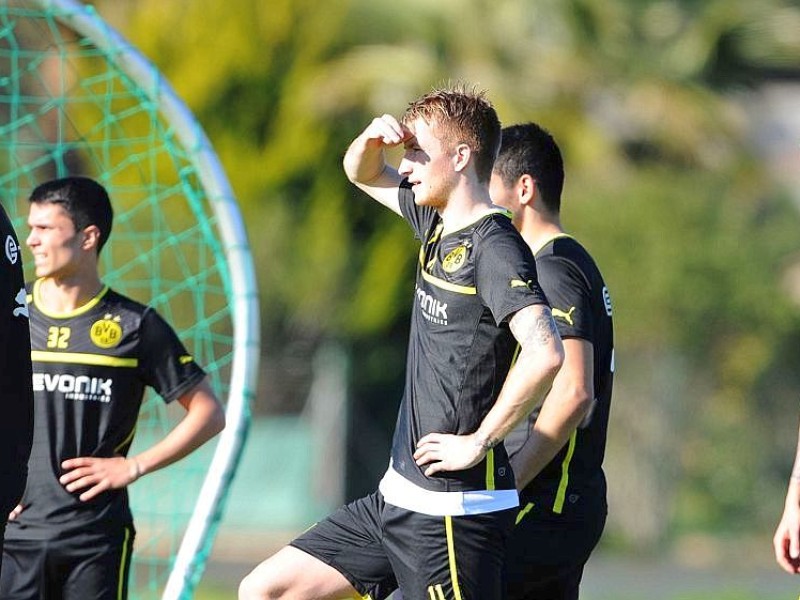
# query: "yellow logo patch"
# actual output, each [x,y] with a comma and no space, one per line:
[455,259]
[567,316]
[106,333]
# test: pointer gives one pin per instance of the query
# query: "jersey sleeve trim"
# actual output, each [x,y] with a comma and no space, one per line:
[75,358]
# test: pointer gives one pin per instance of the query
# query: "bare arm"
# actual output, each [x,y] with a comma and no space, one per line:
[203,420]
[539,360]
[365,160]
[566,405]
[787,536]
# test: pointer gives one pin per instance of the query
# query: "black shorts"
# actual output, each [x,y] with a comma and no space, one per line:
[546,557]
[70,569]
[377,546]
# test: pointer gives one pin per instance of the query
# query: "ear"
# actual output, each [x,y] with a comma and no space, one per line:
[461,157]
[526,189]
[91,238]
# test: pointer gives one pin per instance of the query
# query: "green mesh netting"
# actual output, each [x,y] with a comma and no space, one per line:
[68,106]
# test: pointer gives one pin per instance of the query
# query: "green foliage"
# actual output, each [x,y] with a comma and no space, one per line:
[644,97]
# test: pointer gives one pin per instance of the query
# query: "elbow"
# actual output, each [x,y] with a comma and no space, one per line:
[218,422]
[555,362]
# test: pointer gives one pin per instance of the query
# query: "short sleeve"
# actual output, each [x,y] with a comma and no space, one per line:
[165,363]
[418,217]
[569,296]
[505,274]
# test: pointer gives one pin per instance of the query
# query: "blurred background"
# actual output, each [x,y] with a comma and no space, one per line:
[679,121]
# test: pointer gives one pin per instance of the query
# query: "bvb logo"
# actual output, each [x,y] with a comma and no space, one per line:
[455,259]
[106,333]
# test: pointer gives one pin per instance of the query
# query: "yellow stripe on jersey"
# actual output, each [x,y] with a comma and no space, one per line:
[446,285]
[75,358]
[127,440]
[436,592]
[490,469]
[558,506]
[451,552]
[123,576]
[521,514]
[66,315]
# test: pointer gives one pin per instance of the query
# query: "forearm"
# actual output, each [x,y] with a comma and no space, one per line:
[567,404]
[364,161]
[556,422]
[793,493]
[204,419]
[525,387]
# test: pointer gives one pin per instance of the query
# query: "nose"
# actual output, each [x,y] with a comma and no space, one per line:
[405,167]
[32,240]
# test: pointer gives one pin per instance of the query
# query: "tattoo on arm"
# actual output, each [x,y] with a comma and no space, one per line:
[532,325]
[486,442]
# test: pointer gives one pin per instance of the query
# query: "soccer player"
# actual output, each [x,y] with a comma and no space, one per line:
[445,506]
[16,395]
[94,351]
[787,536]
[557,455]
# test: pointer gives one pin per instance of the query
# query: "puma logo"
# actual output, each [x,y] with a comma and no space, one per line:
[567,316]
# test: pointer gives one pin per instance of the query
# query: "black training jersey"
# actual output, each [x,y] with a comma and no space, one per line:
[16,425]
[90,369]
[468,284]
[573,482]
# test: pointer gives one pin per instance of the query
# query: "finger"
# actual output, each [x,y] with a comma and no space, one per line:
[75,474]
[15,512]
[73,463]
[794,543]
[82,483]
[780,544]
[93,491]
[431,438]
[387,131]
[434,468]
[425,457]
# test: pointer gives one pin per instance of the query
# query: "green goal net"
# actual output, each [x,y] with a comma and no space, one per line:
[76,98]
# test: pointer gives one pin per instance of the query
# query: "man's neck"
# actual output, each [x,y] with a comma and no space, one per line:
[65,295]
[466,206]
[538,232]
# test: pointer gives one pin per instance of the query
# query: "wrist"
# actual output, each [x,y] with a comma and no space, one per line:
[485,442]
[135,469]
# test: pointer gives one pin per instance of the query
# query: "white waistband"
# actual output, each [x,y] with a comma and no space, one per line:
[399,491]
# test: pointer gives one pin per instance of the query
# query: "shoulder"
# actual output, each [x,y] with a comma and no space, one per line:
[114,300]
[566,253]
[497,222]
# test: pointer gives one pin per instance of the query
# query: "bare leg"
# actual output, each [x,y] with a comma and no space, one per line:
[291,574]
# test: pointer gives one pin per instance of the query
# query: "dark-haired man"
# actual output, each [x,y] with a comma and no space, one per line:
[558,454]
[94,351]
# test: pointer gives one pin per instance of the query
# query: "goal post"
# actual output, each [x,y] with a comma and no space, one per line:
[77,98]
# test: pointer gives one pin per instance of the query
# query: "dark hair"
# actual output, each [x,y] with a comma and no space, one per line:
[83,199]
[462,116]
[531,149]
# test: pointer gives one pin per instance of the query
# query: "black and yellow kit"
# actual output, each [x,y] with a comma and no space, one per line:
[16,426]
[469,283]
[563,510]
[443,536]
[90,370]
